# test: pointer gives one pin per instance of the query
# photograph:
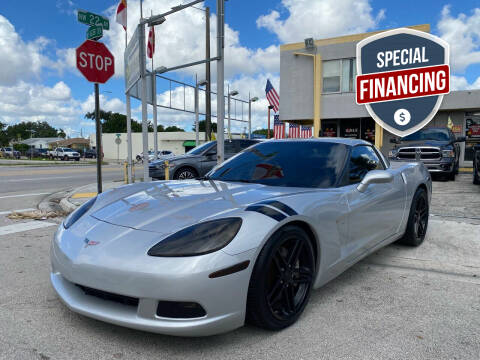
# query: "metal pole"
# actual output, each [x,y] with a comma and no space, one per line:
[129,140]
[155,120]
[208,95]
[144,102]
[228,112]
[249,117]
[220,79]
[268,131]
[196,111]
[98,129]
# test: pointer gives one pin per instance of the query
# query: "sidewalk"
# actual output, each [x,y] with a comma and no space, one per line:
[82,194]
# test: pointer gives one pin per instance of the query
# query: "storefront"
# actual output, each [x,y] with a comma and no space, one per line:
[317,86]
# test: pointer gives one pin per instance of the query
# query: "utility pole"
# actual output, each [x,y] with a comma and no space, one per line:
[220,79]
[144,101]
[208,95]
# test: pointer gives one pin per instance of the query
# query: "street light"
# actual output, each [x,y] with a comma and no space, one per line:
[157,21]
[250,100]
[230,94]
[197,85]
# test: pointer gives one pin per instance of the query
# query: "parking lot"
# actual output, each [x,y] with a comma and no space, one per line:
[400,303]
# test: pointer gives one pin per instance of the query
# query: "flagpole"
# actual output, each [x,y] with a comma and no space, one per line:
[130,164]
[154,100]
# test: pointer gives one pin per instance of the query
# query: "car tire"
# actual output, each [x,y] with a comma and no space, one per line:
[417,224]
[451,175]
[282,279]
[65,158]
[77,159]
[185,173]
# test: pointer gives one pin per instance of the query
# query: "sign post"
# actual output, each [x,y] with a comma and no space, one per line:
[97,64]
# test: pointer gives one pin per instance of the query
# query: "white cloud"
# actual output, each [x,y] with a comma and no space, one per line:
[461,83]
[320,19]
[19,60]
[463,35]
[106,104]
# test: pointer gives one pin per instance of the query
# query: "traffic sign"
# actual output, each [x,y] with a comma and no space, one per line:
[95,61]
[89,18]
[95,32]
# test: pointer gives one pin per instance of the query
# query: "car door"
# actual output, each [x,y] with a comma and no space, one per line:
[208,159]
[376,213]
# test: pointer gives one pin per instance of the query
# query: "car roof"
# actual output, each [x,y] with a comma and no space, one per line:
[335,140]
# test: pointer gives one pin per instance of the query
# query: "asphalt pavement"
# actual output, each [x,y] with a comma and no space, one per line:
[399,303]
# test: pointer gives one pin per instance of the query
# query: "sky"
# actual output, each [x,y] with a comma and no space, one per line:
[39,80]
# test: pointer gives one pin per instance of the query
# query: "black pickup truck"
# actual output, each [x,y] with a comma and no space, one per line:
[437,148]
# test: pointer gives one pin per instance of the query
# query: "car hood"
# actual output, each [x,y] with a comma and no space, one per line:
[167,206]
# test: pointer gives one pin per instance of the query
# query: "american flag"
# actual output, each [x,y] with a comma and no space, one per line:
[293,130]
[278,128]
[272,96]
[306,132]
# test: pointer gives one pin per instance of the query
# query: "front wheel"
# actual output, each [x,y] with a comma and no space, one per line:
[185,173]
[417,220]
[282,279]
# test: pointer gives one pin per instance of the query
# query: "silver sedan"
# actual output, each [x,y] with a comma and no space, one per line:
[248,242]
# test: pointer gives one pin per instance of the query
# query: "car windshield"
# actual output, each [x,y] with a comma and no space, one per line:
[310,164]
[67,150]
[428,134]
[201,148]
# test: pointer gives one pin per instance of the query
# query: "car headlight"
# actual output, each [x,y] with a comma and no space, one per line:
[199,239]
[448,153]
[78,213]
[392,153]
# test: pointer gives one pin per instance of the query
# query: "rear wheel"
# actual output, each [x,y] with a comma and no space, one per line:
[417,219]
[281,280]
[65,158]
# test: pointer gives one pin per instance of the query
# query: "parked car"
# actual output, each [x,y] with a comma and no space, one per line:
[90,154]
[64,154]
[437,148]
[476,164]
[10,152]
[162,154]
[198,161]
[247,243]
[36,153]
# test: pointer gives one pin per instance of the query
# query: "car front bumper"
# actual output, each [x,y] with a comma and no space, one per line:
[156,173]
[444,165]
[150,280]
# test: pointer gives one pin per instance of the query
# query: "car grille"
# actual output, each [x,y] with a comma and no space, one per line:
[426,153]
[121,299]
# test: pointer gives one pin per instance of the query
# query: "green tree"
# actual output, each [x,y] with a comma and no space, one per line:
[3,134]
[26,129]
[263,132]
[202,127]
[116,122]
[173,128]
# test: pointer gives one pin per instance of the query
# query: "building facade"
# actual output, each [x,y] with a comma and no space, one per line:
[317,86]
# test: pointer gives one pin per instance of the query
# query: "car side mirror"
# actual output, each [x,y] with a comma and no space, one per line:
[394,141]
[211,153]
[375,177]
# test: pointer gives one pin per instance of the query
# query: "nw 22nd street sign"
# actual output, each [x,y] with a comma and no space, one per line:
[95,61]
[93,19]
[402,77]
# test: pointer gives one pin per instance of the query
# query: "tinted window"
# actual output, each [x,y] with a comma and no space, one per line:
[292,163]
[246,143]
[230,147]
[362,160]
[428,134]
[201,148]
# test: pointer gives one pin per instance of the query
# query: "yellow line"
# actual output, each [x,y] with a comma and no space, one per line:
[84,195]
[468,170]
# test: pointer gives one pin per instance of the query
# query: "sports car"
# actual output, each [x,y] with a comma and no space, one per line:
[247,242]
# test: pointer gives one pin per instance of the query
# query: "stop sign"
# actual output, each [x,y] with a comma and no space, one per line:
[95,61]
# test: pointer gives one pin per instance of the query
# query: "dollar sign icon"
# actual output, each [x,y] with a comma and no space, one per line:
[402,117]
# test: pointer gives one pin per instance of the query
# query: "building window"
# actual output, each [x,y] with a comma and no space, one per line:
[339,75]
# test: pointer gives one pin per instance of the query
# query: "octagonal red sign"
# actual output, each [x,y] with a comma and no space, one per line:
[95,61]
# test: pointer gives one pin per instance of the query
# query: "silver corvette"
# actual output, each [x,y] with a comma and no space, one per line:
[248,242]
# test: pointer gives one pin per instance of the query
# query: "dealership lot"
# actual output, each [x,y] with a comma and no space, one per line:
[399,303]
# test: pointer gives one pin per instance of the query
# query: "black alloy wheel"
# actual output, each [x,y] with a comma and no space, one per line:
[417,220]
[282,279]
[185,174]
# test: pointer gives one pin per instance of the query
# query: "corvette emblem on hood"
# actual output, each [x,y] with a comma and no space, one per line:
[90,242]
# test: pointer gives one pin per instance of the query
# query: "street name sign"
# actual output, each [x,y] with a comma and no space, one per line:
[89,18]
[95,61]
[402,77]
[95,32]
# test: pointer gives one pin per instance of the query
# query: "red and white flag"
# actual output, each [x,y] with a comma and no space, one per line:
[293,131]
[121,17]
[151,42]
[272,96]
[306,132]
[278,127]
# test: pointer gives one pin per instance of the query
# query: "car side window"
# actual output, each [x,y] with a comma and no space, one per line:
[230,147]
[362,159]
[245,144]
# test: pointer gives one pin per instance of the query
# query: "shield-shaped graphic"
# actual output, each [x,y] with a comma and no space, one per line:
[409,51]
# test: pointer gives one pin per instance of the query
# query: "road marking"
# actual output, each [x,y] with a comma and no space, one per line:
[84,195]
[26,226]
[45,178]
[11,211]
[22,195]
